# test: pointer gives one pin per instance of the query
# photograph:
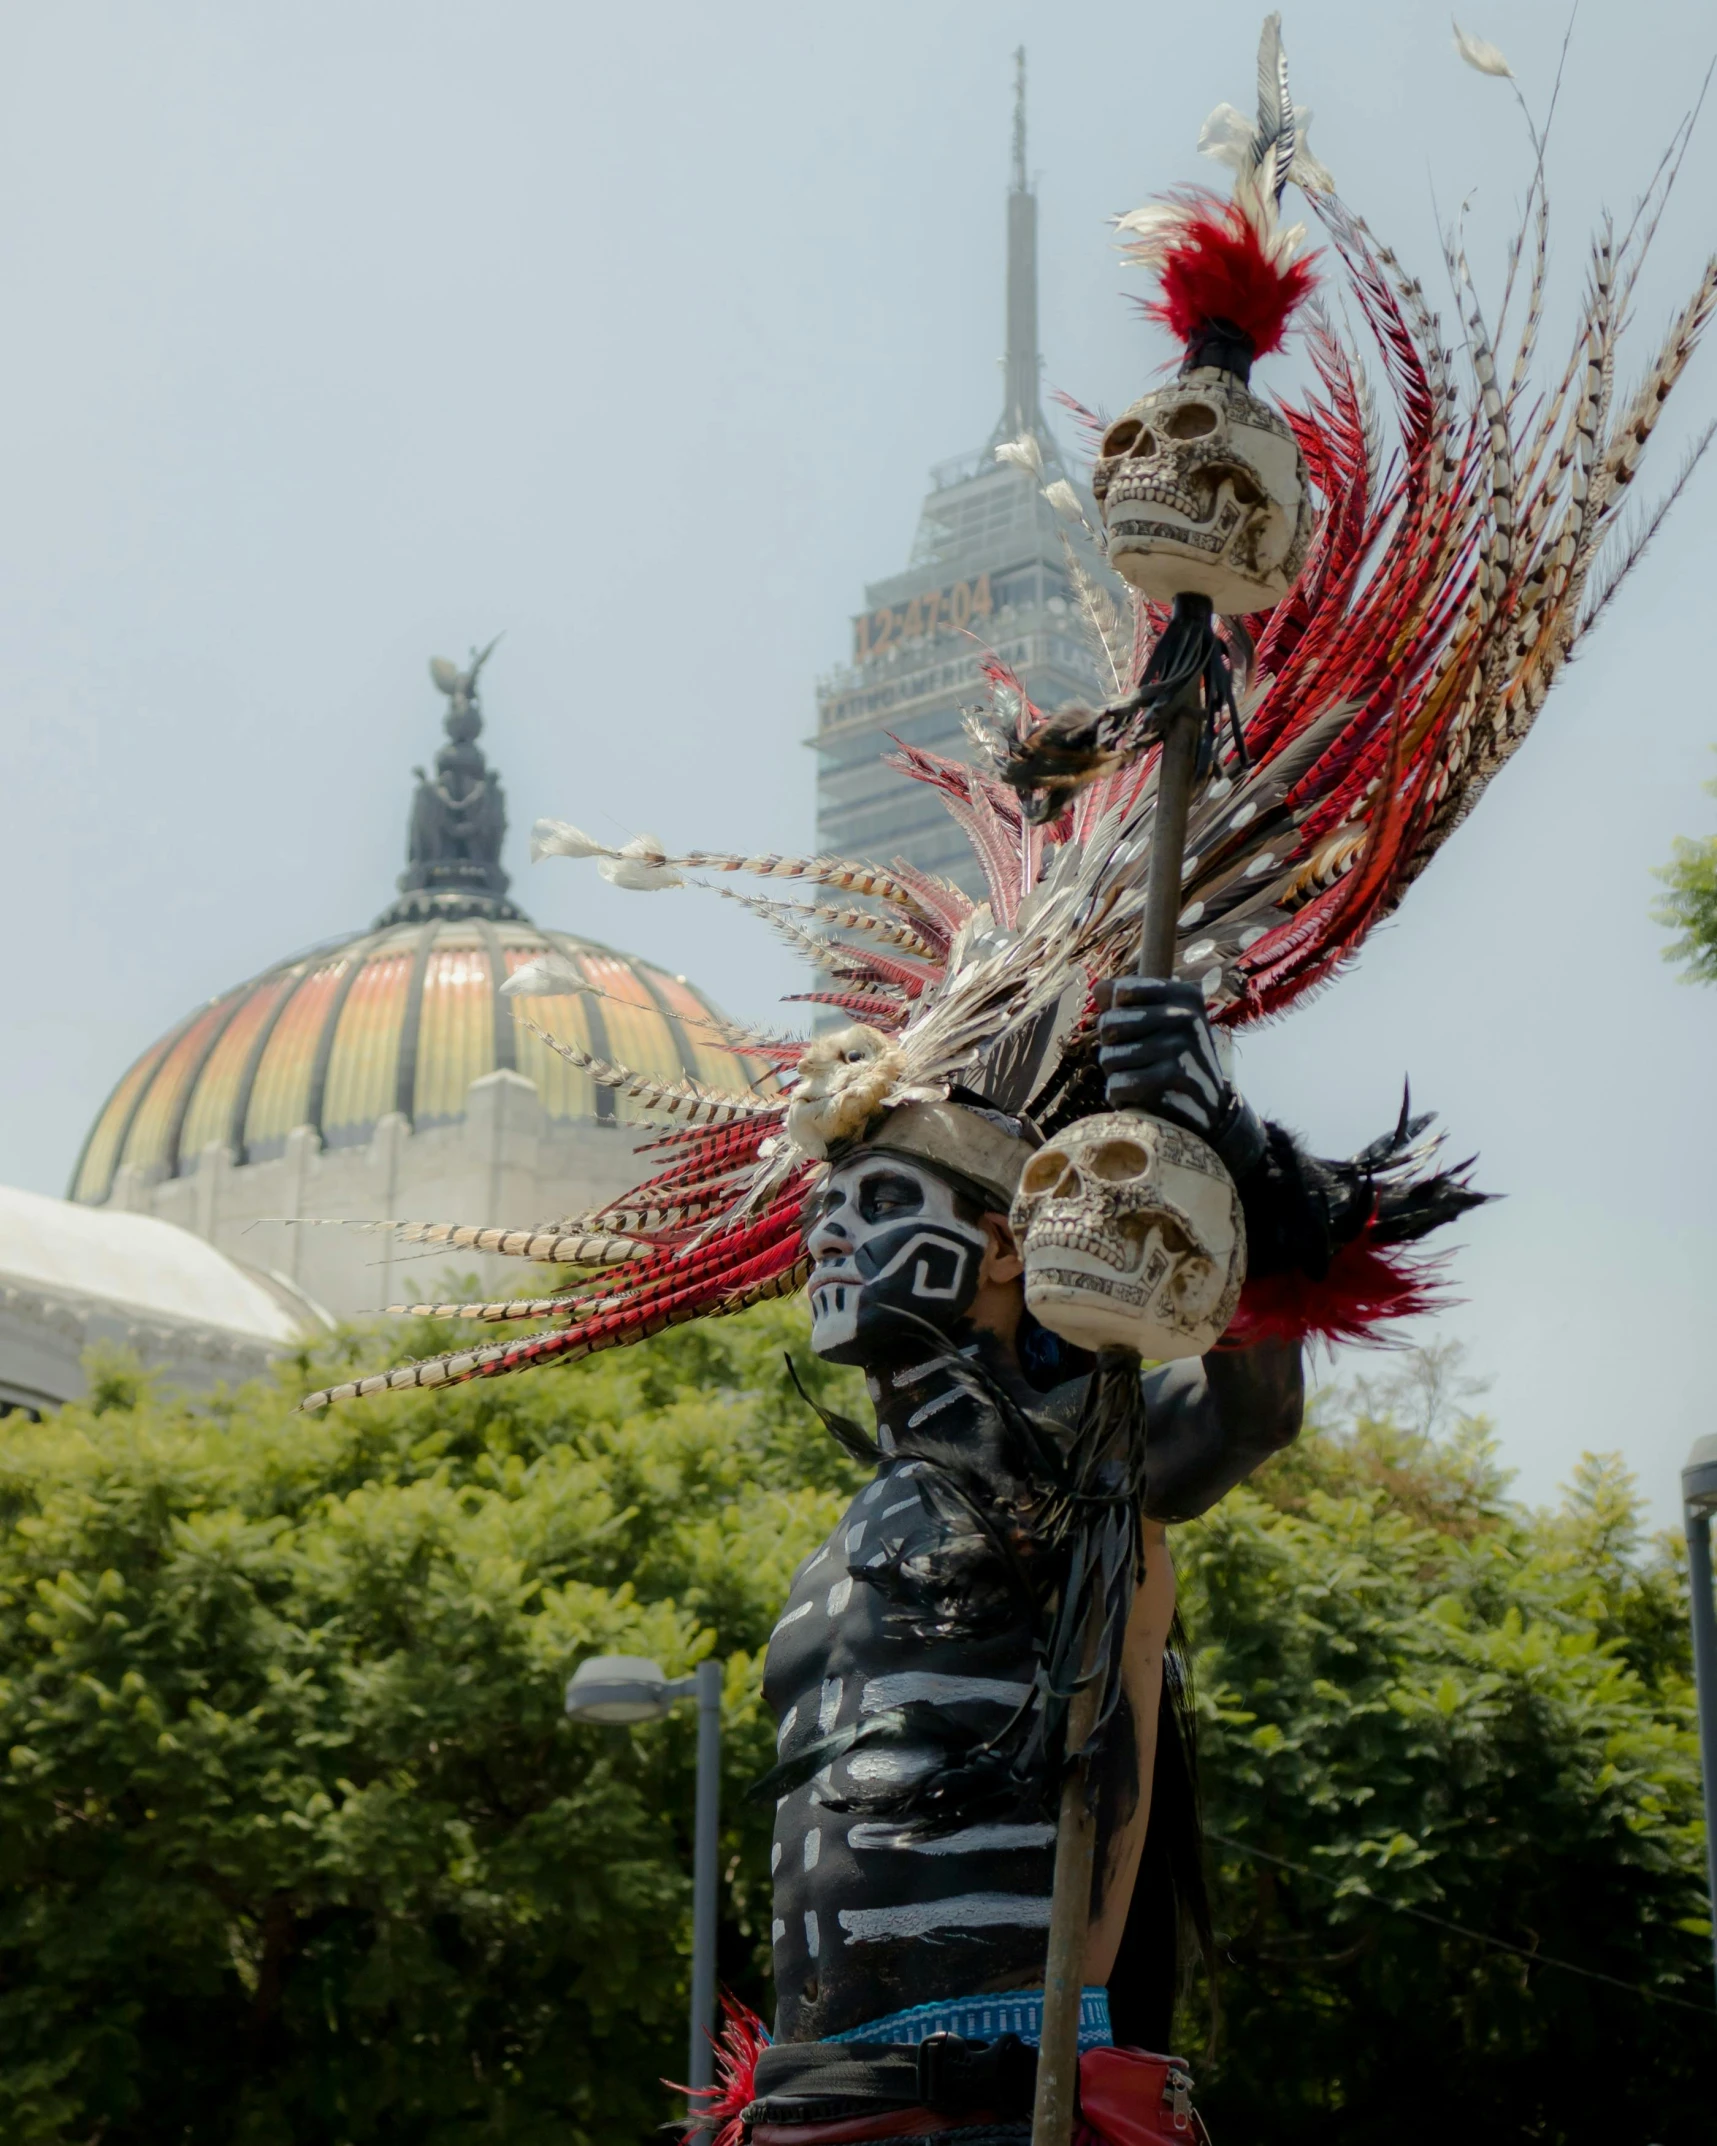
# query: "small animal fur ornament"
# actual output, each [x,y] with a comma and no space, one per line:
[1467,526]
[844,1079]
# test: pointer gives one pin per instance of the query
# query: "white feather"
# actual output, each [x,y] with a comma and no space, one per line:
[559,838]
[1226,137]
[1305,171]
[1064,499]
[1477,53]
[637,875]
[1024,453]
[1148,232]
[549,976]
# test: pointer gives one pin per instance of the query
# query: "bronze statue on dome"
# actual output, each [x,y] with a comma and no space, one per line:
[458,814]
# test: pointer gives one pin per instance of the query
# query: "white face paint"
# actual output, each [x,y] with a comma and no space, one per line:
[888,1238]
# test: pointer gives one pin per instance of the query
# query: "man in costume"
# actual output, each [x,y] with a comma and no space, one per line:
[903,1672]
[1023,1168]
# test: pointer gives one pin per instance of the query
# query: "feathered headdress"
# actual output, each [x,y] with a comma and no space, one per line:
[1234,264]
[1457,560]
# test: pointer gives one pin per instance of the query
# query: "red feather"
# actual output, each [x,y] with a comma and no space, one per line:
[1366,1286]
[720,2109]
[1216,268]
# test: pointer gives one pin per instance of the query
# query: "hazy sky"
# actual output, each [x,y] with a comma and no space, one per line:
[338,335]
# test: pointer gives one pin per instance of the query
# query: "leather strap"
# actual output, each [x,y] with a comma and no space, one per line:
[813,2083]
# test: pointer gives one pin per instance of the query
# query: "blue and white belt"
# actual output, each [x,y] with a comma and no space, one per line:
[982,2019]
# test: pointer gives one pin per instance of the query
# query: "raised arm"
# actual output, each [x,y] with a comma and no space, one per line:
[1213,1419]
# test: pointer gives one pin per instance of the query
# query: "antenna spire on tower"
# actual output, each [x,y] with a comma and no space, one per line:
[1019,120]
[1020,411]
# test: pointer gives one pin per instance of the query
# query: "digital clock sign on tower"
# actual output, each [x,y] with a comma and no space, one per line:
[988,570]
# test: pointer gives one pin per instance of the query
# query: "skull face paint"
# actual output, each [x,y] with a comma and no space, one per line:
[888,1238]
[1132,1236]
[1202,489]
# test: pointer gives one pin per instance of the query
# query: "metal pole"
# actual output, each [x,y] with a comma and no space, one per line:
[1699,1496]
[706,1849]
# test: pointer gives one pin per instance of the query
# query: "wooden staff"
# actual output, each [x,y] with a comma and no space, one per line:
[1181,726]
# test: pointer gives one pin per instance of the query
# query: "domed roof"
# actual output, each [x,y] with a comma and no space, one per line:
[404,1017]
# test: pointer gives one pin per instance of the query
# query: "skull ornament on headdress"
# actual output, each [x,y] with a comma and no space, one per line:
[1133,1237]
[1202,488]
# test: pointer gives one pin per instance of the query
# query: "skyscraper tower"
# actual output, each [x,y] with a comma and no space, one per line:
[988,569]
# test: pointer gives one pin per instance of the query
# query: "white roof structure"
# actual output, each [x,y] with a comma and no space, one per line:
[71,1276]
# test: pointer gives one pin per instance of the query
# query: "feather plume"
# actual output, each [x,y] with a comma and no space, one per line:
[1213,264]
[1480,55]
[719,2110]
[1065,500]
[1024,453]
[550,975]
[559,838]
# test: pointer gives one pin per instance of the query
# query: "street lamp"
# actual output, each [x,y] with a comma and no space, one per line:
[624,1689]
[1699,1502]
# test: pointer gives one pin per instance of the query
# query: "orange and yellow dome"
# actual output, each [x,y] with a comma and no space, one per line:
[402,1018]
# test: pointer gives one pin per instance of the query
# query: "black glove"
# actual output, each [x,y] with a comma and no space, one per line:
[1157,1054]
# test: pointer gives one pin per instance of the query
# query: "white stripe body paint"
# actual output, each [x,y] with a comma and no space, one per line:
[813,1847]
[932,1688]
[888,1512]
[933,1408]
[786,1729]
[975,1840]
[829,1704]
[811,1932]
[775,1859]
[967,1911]
[855,1538]
[777,1931]
[839,1596]
[792,1617]
[890,1765]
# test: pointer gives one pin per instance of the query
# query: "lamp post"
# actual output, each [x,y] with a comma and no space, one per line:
[624,1689]
[1699,1502]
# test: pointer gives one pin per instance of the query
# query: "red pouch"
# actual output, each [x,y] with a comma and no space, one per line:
[1128,2097]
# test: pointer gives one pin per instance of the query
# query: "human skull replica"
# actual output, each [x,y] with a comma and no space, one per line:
[1203,491]
[1132,1237]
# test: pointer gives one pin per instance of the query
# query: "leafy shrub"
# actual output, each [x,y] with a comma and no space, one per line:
[296,1842]
[1417,1695]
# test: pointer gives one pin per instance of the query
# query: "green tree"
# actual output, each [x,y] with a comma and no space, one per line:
[1414,1694]
[296,1843]
[1690,906]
